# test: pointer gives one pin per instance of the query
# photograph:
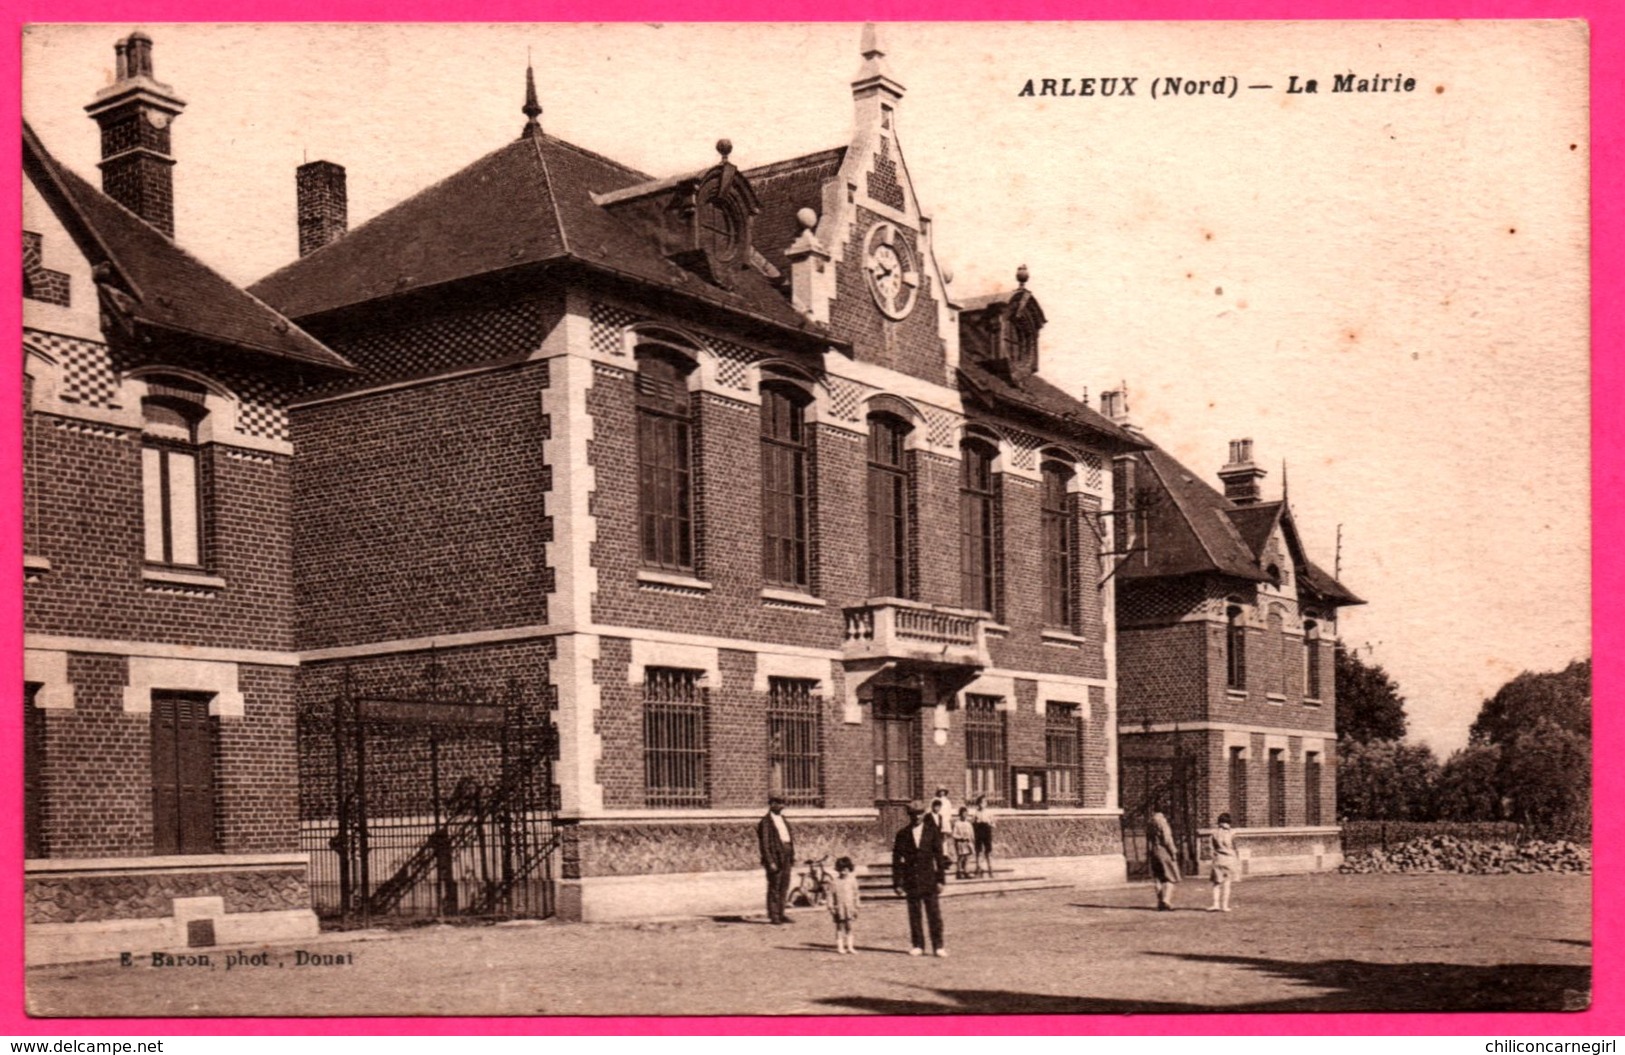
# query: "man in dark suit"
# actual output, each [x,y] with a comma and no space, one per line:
[917,874]
[778,858]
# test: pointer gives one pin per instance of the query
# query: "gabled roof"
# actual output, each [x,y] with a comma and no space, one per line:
[529,202]
[165,286]
[1195,530]
[1033,397]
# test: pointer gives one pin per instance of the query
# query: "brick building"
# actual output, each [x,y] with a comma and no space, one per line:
[1226,631]
[575,511]
[160,648]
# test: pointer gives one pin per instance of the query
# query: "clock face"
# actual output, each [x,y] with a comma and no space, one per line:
[894,279]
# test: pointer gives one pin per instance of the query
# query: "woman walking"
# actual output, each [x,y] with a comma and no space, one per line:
[1163,856]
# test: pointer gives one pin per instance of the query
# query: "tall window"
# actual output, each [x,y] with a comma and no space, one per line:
[1278,648]
[676,754]
[1019,340]
[1057,543]
[976,526]
[169,481]
[665,486]
[1063,738]
[1311,660]
[888,508]
[1277,790]
[784,486]
[794,764]
[1311,788]
[1238,787]
[183,766]
[33,774]
[1235,650]
[985,760]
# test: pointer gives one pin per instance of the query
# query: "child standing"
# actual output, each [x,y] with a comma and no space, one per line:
[964,834]
[1225,863]
[843,903]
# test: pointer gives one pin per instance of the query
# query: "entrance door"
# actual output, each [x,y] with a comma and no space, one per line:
[1148,785]
[897,756]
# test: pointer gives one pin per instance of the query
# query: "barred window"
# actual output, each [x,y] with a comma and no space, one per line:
[1277,788]
[1063,750]
[1238,787]
[1057,543]
[976,526]
[676,755]
[986,762]
[1311,788]
[794,742]
[1235,651]
[888,507]
[665,487]
[784,486]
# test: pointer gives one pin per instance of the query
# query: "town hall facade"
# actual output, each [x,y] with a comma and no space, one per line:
[506,553]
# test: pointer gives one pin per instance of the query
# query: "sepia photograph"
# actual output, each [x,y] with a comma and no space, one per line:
[908,519]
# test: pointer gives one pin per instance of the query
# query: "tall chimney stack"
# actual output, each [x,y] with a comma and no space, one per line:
[323,205]
[135,113]
[1241,476]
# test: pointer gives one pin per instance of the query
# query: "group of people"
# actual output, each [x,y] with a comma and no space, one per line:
[1163,856]
[919,867]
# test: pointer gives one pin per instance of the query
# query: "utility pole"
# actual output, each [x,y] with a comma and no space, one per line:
[1337,565]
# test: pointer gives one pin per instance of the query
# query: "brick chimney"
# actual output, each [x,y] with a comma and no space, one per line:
[323,205]
[1241,475]
[135,113]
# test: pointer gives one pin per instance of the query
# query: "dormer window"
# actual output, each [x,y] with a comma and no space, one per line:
[1019,342]
[718,228]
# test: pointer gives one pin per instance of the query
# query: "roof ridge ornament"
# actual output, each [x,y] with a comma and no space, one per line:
[532,109]
[875,69]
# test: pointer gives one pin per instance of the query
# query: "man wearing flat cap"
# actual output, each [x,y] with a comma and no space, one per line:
[917,874]
[778,857]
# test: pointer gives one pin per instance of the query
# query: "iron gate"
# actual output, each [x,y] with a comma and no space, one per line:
[1152,784]
[436,803]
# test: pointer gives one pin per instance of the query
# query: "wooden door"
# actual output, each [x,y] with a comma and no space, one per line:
[897,756]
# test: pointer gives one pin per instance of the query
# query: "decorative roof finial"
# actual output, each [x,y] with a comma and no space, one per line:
[725,147]
[874,69]
[1022,274]
[532,109]
[1283,480]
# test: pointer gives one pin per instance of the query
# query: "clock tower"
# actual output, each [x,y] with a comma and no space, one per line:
[135,113]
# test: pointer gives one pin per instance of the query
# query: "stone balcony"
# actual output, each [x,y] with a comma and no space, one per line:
[890,628]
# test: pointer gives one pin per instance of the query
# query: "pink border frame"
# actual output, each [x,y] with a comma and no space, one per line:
[1608,485]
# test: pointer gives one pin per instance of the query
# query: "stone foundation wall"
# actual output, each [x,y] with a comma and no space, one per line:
[84,898]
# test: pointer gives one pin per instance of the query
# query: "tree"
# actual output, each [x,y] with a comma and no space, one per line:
[1470,785]
[1546,771]
[1369,706]
[1562,697]
[1386,780]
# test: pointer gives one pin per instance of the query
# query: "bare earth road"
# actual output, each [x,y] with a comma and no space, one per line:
[1305,943]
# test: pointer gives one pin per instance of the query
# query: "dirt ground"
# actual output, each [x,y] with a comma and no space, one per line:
[1304,943]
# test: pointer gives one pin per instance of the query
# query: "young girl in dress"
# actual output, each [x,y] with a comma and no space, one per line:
[843,903]
[1225,864]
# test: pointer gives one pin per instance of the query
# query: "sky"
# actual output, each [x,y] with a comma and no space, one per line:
[1386,291]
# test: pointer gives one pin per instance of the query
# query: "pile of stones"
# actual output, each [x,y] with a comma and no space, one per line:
[1446,853]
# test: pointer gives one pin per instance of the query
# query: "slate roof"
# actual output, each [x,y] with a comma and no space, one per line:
[528,202]
[168,287]
[784,188]
[1033,396]
[1196,530]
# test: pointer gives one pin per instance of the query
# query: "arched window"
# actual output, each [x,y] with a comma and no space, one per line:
[1278,653]
[718,228]
[665,483]
[1235,650]
[784,486]
[1311,660]
[1057,541]
[888,507]
[1019,338]
[170,490]
[976,551]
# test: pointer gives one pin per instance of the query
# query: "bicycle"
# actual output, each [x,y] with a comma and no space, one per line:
[813,889]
